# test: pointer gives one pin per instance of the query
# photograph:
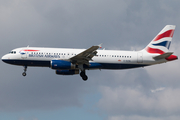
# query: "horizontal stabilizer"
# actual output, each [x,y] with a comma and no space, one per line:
[163,56]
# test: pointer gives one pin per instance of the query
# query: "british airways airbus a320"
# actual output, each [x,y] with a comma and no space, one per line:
[74,61]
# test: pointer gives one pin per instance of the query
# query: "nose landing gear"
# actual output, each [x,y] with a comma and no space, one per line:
[25,69]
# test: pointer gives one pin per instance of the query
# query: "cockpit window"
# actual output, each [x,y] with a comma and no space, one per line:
[12,52]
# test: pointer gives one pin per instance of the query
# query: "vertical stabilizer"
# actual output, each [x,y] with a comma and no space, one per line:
[161,43]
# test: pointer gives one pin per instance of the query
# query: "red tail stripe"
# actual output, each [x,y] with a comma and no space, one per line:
[168,33]
[30,50]
[153,50]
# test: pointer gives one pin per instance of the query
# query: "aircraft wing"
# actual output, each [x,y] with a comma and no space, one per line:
[85,56]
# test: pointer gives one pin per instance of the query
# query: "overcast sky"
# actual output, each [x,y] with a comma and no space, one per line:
[151,93]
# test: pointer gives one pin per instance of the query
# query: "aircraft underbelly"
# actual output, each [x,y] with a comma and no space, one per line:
[29,63]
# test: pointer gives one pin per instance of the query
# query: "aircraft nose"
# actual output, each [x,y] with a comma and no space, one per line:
[4,58]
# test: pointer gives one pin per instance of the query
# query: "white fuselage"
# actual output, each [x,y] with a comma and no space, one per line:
[110,59]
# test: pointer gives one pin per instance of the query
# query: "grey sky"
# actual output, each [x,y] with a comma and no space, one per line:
[118,24]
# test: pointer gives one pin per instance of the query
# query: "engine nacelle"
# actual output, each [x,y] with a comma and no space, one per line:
[67,72]
[61,64]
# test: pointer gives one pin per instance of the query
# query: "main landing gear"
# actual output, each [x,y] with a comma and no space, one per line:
[25,69]
[83,75]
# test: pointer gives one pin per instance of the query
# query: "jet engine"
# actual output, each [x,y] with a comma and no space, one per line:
[62,64]
[67,72]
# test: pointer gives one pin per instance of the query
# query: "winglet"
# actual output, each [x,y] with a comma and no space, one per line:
[100,45]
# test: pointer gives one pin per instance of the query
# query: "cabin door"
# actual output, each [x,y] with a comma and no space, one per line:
[139,57]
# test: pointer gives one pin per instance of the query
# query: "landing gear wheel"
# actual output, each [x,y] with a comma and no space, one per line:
[85,77]
[25,69]
[24,73]
[82,74]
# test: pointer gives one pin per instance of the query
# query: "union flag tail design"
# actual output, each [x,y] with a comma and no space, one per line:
[161,43]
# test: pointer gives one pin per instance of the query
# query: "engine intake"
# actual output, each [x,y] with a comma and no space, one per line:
[61,64]
[67,72]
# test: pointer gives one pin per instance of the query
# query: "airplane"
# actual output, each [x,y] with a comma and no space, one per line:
[67,61]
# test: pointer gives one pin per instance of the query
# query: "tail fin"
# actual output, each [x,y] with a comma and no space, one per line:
[161,43]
